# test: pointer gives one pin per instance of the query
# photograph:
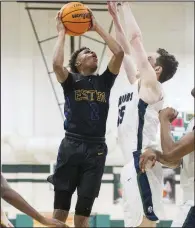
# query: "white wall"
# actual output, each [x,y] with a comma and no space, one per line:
[29,107]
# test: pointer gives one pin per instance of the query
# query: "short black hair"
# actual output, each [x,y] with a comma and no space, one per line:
[168,63]
[72,61]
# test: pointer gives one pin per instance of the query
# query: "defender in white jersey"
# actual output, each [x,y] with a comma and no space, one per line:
[173,154]
[139,105]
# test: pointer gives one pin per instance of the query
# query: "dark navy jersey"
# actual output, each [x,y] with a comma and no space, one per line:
[87,103]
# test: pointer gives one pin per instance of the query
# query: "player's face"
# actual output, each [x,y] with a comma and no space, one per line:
[152,57]
[88,60]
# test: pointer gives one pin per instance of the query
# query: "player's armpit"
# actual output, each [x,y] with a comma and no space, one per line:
[150,95]
[115,63]
[61,73]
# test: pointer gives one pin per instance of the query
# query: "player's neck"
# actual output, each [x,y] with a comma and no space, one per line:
[87,73]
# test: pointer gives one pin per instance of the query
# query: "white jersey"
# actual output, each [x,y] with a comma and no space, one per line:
[187,172]
[137,122]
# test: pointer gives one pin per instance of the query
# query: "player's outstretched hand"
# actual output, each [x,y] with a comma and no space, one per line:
[59,25]
[53,222]
[148,158]
[168,114]
[112,8]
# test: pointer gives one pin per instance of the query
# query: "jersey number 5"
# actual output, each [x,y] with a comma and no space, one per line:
[121,113]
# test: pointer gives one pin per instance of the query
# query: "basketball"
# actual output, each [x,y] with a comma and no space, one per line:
[76,18]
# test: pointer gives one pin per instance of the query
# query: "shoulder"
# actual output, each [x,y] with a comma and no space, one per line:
[107,72]
[69,84]
[72,77]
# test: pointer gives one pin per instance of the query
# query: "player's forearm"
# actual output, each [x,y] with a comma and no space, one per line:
[183,147]
[135,38]
[129,65]
[167,161]
[180,150]
[120,36]
[113,45]
[58,57]
[131,26]
[167,141]
[13,198]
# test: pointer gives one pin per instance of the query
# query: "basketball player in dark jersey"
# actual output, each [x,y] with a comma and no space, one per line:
[82,153]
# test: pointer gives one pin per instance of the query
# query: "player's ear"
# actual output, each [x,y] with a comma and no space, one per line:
[158,70]
[78,63]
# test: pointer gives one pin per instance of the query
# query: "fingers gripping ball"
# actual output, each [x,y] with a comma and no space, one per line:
[76,18]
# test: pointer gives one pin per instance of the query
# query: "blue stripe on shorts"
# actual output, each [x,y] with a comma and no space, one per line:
[142,179]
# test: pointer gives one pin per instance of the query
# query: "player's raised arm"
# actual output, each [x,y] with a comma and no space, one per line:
[135,37]
[58,57]
[118,53]
[149,83]
[129,65]
[173,150]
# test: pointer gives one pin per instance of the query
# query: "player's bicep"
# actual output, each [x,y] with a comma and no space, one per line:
[115,63]
[140,54]
[130,68]
[147,73]
[61,73]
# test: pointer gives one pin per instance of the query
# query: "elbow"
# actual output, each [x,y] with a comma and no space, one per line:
[174,165]
[136,39]
[56,66]
[119,53]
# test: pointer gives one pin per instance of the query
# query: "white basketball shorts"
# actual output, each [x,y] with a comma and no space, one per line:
[142,193]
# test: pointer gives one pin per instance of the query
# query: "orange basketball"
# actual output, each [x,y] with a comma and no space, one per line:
[76,18]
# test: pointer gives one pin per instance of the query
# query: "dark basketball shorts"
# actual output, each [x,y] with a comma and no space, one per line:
[80,165]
